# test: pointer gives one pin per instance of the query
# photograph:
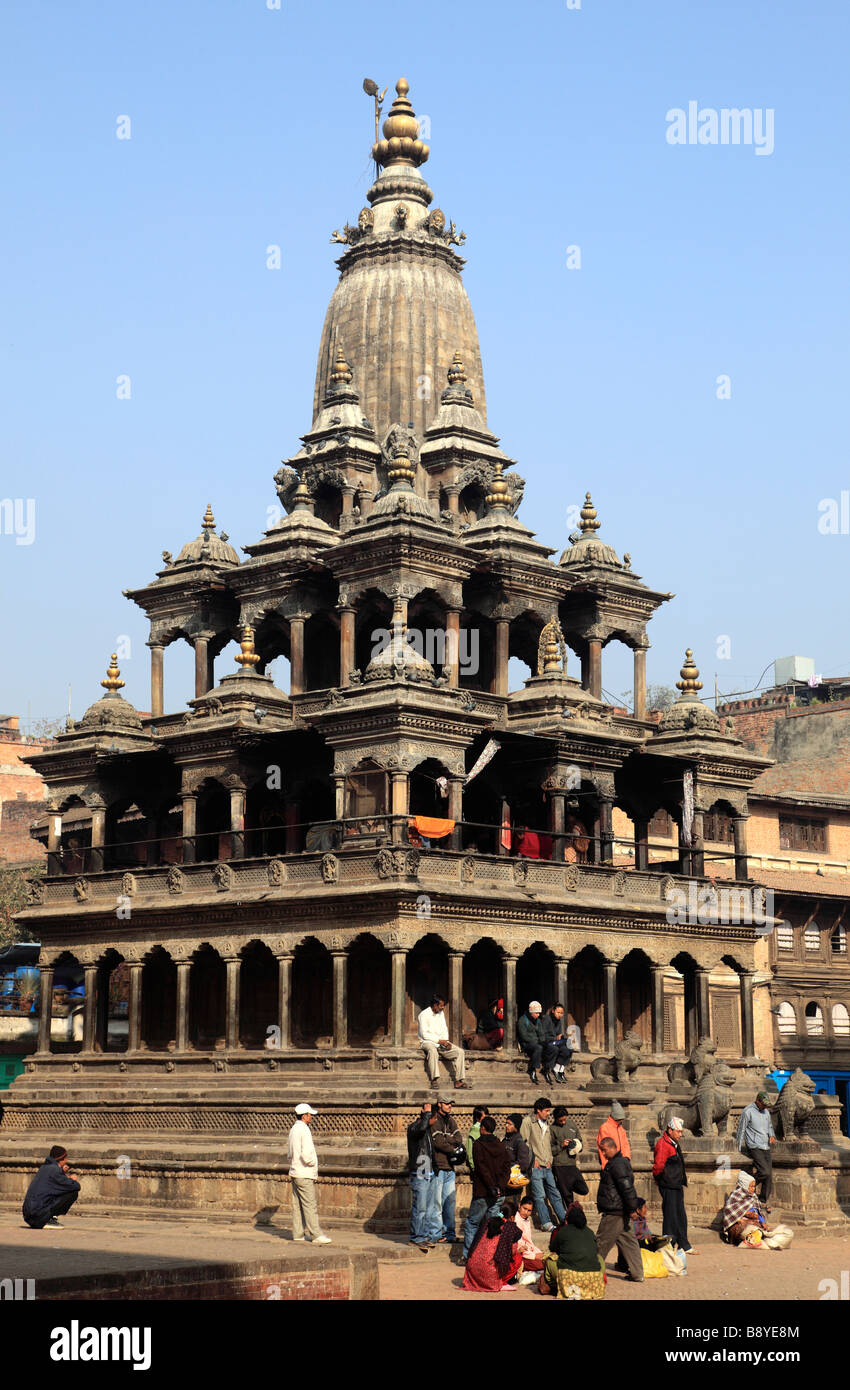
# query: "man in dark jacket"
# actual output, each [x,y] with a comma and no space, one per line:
[52,1192]
[528,1036]
[446,1140]
[515,1144]
[668,1169]
[493,1163]
[424,1221]
[616,1199]
[557,1053]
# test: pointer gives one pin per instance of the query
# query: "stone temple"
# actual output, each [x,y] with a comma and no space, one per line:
[285,876]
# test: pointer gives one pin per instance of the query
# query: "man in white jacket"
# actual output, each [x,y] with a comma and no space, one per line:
[434,1041]
[303,1171]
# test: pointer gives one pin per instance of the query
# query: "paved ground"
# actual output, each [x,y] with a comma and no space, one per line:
[718,1272]
[90,1243]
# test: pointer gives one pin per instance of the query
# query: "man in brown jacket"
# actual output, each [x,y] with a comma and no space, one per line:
[493,1162]
[535,1132]
[446,1139]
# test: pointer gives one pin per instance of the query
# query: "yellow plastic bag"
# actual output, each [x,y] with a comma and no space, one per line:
[653,1265]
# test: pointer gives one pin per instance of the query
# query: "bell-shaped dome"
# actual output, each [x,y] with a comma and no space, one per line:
[208,548]
[111,709]
[400,300]
[399,660]
[688,712]
[587,548]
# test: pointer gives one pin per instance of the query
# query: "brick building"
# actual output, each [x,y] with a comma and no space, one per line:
[22,798]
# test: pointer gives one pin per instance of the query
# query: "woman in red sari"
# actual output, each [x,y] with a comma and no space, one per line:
[495,1258]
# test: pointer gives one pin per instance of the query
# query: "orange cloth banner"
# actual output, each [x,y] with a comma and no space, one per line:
[432,828]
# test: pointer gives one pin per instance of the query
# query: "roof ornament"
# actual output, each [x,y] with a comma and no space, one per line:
[552,651]
[690,684]
[112,683]
[341,373]
[589,524]
[499,496]
[247,657]
[456,373]
[401,143]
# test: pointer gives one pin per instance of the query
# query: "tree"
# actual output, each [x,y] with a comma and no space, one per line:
[659,696]
[13,896]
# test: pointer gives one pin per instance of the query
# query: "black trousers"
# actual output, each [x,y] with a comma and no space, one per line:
[556,1053]
[57,1207]
[674,1220]
[762,1161]
[534,1055]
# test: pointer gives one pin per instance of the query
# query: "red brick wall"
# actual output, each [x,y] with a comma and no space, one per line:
[16,844]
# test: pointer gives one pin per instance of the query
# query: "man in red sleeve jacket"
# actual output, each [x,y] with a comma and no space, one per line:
[668,1169]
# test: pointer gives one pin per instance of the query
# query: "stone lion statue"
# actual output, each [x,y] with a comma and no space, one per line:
[795,1105]
[701,1061]
[708,1112]
[623,1064]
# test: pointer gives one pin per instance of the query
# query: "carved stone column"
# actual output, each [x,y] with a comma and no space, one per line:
[346,644]
[134,1011]
[452,494]
[509,996]
[739,830]
[456,808]
[562,984]
[284,999]
[348,490]
[340,997]
[400,804]
[45,1007]
[557,822]
[294,830]
[640,682]
[190,825]
[703,1003]
[452,645]
[398,996]
[237,822]
[296,654]
[98,838]
[606,830]
[231,1027]
[157,653]
[202,667]
[698,844]
[657,972]
[500,676]
[641,824]
[594,667]
[748,1034]
[456,997]
[609,978]
[183,969]
[89,1006]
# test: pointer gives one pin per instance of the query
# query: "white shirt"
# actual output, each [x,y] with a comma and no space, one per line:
[433,1028]
[303,1162]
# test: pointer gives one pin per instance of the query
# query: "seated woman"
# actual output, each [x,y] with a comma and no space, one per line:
[744,1216]
[491,1024]
[532,1255]
[574,1269]
[495,1259]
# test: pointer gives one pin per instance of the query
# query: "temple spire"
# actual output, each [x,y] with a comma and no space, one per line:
[401,143]
[112,683]
[589,524]
[690,684]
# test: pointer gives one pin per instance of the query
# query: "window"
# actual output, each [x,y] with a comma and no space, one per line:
[838,941]
[811,937]
[786,1019]
[814,1021]
[661,826]
[797,833]
[785,937]
[840,1021]
[717,826]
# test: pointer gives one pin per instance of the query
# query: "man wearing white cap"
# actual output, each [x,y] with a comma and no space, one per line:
[303,1172]
[668,1169]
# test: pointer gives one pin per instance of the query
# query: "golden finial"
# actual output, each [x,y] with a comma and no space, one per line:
[689,684]
[247,657]
[341,373]
[401,469]
[589,524]
[112,683]
[499,494]
[456,374]
[551,651]
[301,496]
[401,143]
[208,523]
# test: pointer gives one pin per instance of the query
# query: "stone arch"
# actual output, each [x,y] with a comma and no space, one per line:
[787,1023]
[687,967]
[813,1018]
[425,798]
[369,970]
[112,1002]
[312,994]
[159,1001]
[634,997]
[212,837]
[482,980]
[586,998]
[207,999]
[535,976]
[67,1004]
[426,627]
[373,623]
[258,994]
[321,651]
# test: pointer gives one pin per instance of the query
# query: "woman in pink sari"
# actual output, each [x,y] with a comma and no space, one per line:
[495,1259]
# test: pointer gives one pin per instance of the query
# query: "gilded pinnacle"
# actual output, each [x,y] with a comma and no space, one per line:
[341,374]
[208,523]
[112,683]
[499,494]
[401,143]
[456,373]
[247,658]
[690,684]
[589,524]
[402,470]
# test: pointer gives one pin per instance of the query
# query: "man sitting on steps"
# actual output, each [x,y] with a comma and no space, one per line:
[434,1041]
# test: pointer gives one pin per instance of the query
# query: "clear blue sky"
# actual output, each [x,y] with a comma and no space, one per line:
[147,257]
